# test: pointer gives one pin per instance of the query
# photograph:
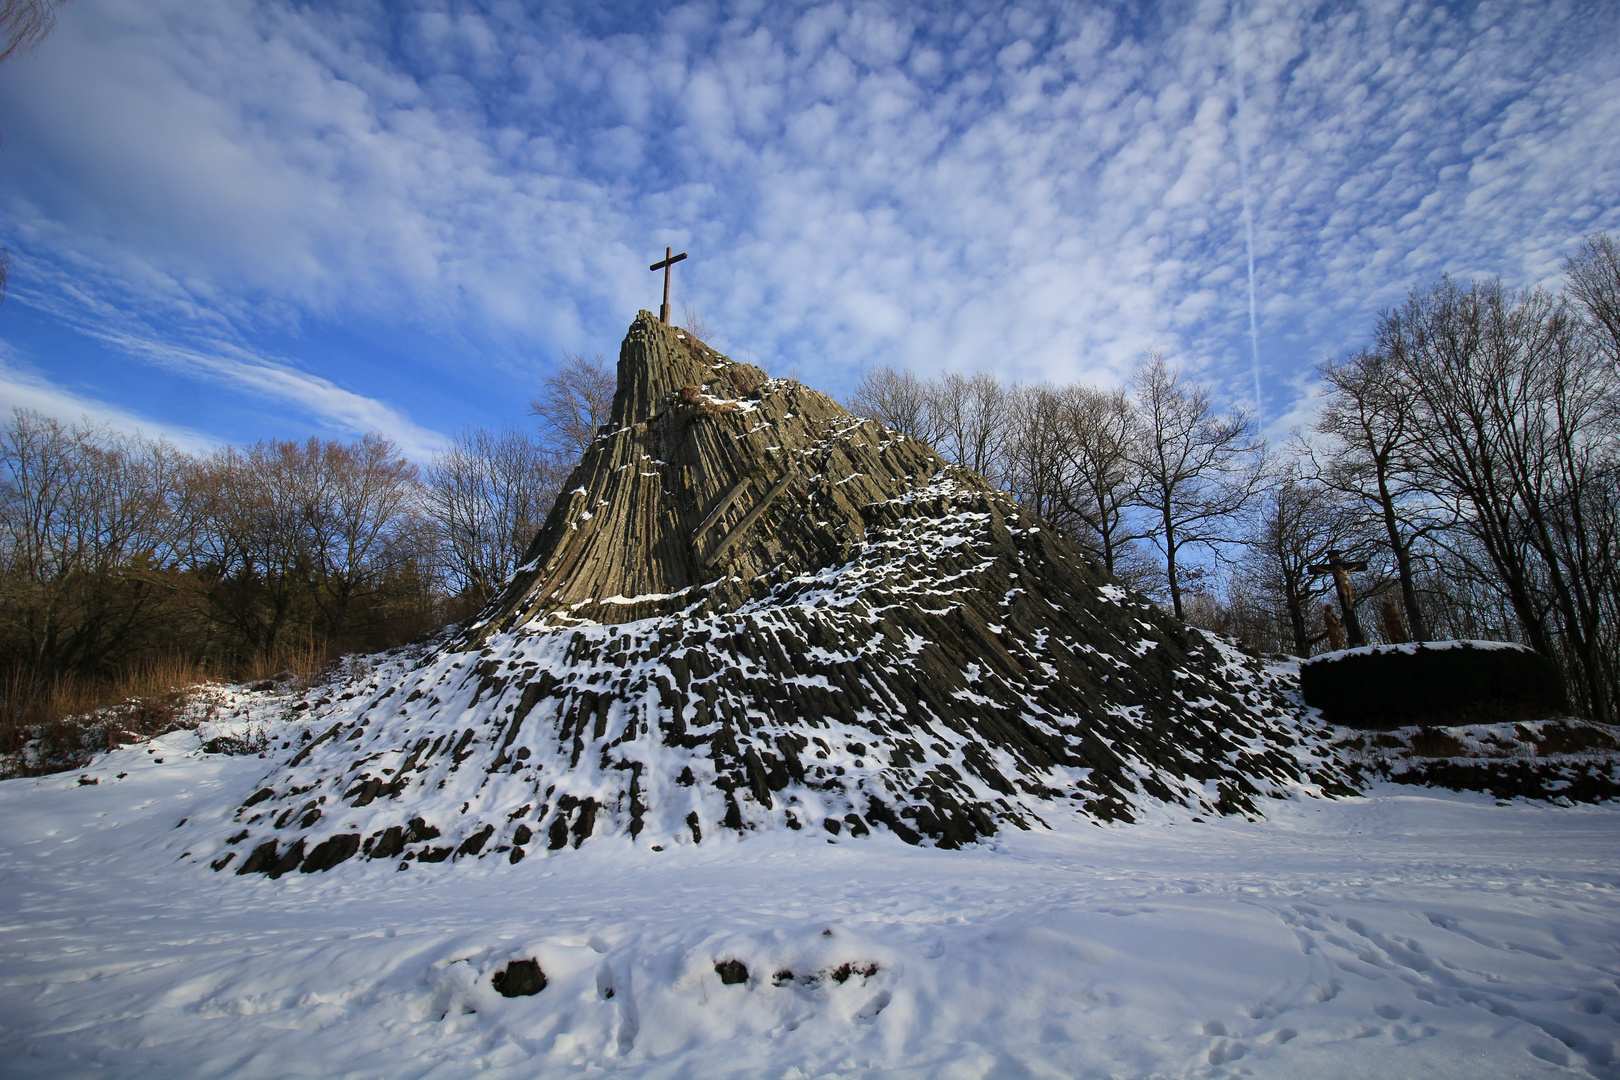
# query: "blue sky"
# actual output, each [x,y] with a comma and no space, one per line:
[235,220]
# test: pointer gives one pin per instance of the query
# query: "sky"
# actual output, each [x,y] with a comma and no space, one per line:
[241,220]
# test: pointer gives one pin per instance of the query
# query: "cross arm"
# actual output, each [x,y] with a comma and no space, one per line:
[1328,568]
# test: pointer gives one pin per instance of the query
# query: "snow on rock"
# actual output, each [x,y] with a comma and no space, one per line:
[753,612]
[1565,760]
[1412,648]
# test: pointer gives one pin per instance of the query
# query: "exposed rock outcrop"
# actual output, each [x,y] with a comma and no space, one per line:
[752,610]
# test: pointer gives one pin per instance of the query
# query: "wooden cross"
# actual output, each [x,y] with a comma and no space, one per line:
[1340,568]
[669,261]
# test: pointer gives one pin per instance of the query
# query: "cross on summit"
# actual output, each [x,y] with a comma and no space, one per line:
[669,261]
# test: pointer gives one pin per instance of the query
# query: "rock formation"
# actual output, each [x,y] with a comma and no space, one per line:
[750,610]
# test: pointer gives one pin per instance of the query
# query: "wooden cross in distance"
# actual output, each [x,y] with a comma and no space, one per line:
[1340,568]
[669,261]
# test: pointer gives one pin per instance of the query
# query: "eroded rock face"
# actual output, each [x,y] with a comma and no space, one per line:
[751,610]
[710,474]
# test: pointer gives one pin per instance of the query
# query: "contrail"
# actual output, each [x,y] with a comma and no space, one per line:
[1248,212]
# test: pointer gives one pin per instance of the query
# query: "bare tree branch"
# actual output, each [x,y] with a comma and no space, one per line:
[1518,427]
[574,402]
[487,495]
[693,322]
[898,399]
[1594,282]
[24,24]
[1200,469]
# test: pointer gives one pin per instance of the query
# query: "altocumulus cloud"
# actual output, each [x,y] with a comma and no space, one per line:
[1047,190]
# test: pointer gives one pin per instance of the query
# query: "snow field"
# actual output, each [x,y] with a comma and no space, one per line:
[1407,933]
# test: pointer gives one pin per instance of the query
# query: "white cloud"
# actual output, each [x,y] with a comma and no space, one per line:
[23,388]
[211,358]
[1052,188]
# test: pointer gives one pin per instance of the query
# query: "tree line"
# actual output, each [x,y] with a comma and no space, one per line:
[118,550]
[1469,454]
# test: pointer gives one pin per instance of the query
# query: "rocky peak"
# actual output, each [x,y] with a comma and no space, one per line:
[709,472]
[657,361]
[750,610]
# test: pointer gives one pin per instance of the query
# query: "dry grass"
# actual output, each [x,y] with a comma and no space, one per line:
[302,660]
[48,725]
[59,723]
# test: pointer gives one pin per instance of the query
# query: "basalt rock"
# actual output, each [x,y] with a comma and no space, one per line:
[520,978]
[751,610]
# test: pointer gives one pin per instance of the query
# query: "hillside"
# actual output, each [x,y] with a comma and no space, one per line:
[752,611]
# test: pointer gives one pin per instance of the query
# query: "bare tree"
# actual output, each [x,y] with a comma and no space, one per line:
[1371,414]
[1066,456]
[1200,468]
[965,417]
[898,399]
[574,402]
[1298,523]
[304,541]
[1461,595]
[1518,429]
[362,500]
[487,495]
[88,526]
[117,549]
[1101,432]
[1594,283]
[253,561]
[1035,464]
[970,415]
[1599,518]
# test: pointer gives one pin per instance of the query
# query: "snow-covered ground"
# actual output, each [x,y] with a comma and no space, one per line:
[1408,933]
